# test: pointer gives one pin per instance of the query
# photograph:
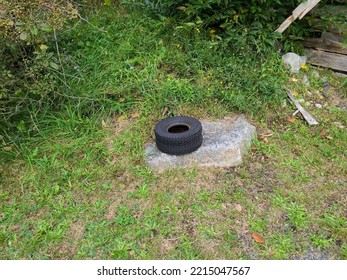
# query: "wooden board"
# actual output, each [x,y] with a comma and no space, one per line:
[324,45]
[310,120]
[329,60]
[299,12]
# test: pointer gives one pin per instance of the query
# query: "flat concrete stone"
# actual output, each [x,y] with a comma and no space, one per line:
[224,144]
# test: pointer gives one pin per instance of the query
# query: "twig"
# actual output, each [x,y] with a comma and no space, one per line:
[58,52]
[85,20]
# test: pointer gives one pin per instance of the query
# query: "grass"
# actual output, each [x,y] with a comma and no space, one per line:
[78,187]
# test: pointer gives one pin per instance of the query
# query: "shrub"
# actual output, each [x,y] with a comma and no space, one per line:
[242,25]
[28,45]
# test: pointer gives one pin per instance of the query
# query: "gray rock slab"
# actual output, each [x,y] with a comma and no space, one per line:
[224,144]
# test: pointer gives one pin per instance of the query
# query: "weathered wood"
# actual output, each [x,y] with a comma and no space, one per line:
[329,60]
[310,120]
[324,45]
[299,12]
[332,37]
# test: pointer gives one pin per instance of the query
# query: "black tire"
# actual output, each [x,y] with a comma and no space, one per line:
[180,149]
[193,130]
[178,135]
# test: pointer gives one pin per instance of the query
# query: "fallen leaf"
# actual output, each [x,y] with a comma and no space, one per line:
[103,123]
[258,238]
[265,140]
[329,137]
[7,148]
[238,207]
[291,120]
[135,115]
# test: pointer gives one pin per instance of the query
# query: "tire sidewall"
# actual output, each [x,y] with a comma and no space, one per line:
[163,135]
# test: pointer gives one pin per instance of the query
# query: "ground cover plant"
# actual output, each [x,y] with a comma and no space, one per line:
[74,183]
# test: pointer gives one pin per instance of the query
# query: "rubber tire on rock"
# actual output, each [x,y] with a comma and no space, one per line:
[179,142]
[180,149]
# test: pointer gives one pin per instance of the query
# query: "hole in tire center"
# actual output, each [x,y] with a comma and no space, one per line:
[178,128]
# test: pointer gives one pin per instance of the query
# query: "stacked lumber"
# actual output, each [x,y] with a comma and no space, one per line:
[299,12]
[329,50]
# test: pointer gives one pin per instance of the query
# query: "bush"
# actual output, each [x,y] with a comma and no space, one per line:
[28,33]
[242,25]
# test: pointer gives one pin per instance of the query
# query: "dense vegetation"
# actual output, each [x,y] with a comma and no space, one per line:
[37,49]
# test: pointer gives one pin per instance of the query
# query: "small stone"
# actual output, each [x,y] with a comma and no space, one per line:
[319,106]
[315,74]
[324,79]
[294,61]
[326,88]
[305,80]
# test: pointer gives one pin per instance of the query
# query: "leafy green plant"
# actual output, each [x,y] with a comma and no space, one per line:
[29,45]
[297,216]
[243,25]
[321,242]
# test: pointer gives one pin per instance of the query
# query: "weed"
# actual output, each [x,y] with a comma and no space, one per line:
[320,241]
[297,216]
[283,246]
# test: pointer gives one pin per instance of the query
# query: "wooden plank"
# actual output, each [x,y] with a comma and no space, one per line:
[332,37]
[299,12]
[310,120]
[324,45]
[329,60]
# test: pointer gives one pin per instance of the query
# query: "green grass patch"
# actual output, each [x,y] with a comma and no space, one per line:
[75,185]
